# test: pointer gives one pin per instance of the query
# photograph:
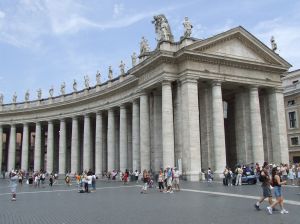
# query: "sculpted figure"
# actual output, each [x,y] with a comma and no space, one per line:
[39,94]
[27,96]
[273,44]
[187,27]
[122,68]
[1,99]
[110,73]
[98,78]
[144,46]
[14,99]
[86,81]
[74,85]
[62,88]
[133,59]
[162,28]
[51,91]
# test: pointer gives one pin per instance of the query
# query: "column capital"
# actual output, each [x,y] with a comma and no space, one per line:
[122,106]
[62,119]
[86,115]
[166,82]
[99,112]
[253,87]
[216,82]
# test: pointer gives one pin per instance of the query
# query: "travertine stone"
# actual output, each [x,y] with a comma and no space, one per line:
[1,147]
[129,138]
[25,147]
[144,132]
[87,143]
[75,146]
[62,147]
[111,140]
[278,127]
[218,128]
[178,125]
[191,132]
[167,125]
[38,146]
[256,127]
[50,147]
[156,132]
[135,135]
[99,143]
[12,148]
[123,138]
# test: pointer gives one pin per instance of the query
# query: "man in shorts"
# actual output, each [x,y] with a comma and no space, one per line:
[266,186]
[176,179]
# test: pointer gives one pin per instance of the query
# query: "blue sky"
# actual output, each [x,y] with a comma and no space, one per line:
[47,42]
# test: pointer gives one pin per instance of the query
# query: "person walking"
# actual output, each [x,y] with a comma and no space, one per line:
[161,181]
[176,179]
[265,179]
[13,184]
[277,182]
[145,180]
[136,175]
[239,172]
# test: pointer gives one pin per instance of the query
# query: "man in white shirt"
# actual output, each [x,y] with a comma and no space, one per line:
[176,179]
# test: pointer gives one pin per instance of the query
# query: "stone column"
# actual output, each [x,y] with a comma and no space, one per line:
[218,128]
[25,147]
[87,143]
[278,127]
[37,146]
[167,125]
[135,135]
[12,148]
[190,130]
[50,147]
[123,138]
[144,132]
[99,143]
[111,141]
[1,147]
[62,147]
[75,146]
[256,127]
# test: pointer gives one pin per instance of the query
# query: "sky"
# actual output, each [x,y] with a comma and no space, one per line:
[46,42]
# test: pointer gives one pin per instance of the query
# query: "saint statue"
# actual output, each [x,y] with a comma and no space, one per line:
[162,28]
[27,96]
[133,59]
[14,99]
[74,85]
[122,68]
[98,78]
[187,27]
[144,46]
[273,44]
[86,81]
[62,88]
[110,73]
[51,91]
[39,94]
[1,99]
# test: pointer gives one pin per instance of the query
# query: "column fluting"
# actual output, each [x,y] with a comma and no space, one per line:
[25,147]
[144,132]
[135,135]
[87,143]
[99,143]
[62,147]
[38,147]
[50,147]
[111,141]
[75,146]
[123,138]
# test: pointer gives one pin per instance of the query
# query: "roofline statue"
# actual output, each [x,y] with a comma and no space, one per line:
[162,28]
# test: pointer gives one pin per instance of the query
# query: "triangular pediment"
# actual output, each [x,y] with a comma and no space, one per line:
[239,44]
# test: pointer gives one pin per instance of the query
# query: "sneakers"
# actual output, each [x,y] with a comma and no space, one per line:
[13,199]
[269,210]
[283,211]
[257,207]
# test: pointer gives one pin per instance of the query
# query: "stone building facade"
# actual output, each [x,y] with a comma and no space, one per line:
[193,104]
[291,84]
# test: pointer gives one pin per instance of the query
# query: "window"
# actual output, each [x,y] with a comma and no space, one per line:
[292,119]
[291,103]
[294,141]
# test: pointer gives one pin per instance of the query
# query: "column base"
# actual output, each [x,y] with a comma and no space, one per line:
[192,176]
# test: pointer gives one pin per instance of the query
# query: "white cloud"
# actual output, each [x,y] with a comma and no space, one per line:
[118,9]
[2,14]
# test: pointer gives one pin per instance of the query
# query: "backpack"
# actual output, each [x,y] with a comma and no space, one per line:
[261,178]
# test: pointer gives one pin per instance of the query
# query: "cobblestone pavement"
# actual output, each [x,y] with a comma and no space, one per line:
[114,203]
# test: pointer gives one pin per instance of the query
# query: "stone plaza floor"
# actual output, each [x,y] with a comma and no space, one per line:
[114,203]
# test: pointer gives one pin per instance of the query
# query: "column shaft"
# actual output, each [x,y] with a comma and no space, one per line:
[123,138]
[87,143]
[1,147]
[256,127]
[12,148]
[144,132]
[99,143]
[111,141]
[50,147]
[75,146]
[167,125]
[62,147]
[135,135]
[37,146]
[25,147]
[218,128]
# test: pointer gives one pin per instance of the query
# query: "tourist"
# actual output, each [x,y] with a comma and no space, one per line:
[13,184]
[93,182]
[169,180]
[277,182]
[239,172]
[225,179]
[136,175]
[230,175]
[51,180]
[20,177]
[209,175]
[176,179]
[125,177]
[264,177]
[298,173]
[161,181]
[145,180]
[291,174]
[68,180]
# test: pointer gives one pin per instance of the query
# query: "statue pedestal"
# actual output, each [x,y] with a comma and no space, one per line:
[26,105]
[50,100]
[74,95]
[185,42]
[1,107]
[98,88]
[38,102]
[166,46]
[121,78]
[13,106]
[62,98]
[109,83]
[86,92]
